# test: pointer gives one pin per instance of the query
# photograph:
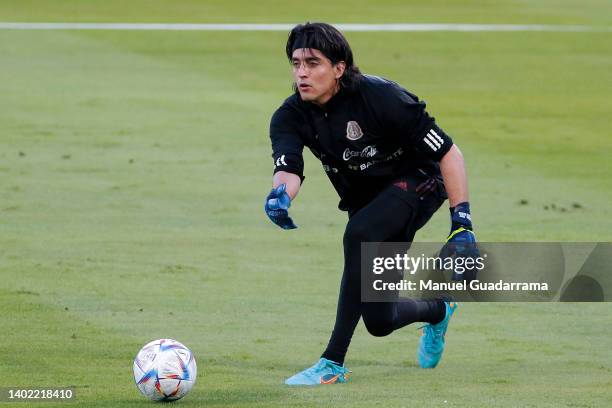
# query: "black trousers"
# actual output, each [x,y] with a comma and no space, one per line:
[394,215]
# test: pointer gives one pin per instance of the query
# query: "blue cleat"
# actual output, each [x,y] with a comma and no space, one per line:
[323,372]
[431,344]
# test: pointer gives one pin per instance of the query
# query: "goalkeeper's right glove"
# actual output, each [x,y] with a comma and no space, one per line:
[277,204]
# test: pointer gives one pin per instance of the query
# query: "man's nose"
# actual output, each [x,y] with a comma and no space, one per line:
[302,71]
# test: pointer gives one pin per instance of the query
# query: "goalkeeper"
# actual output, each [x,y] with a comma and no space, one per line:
[392,167]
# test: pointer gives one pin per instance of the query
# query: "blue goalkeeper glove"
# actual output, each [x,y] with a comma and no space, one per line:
[461,242]
[277,204]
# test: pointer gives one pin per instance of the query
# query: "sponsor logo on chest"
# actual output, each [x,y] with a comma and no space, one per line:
[366,152]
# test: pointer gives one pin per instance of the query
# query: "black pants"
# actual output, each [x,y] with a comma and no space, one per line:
[394,215]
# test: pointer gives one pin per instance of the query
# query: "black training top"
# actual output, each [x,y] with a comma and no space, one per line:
[365,138]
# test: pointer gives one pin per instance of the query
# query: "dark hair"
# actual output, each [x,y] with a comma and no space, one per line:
[327,39]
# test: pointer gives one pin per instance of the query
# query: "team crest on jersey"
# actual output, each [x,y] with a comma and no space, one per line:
[353,131]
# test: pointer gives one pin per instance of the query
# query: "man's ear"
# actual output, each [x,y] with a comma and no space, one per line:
[339,69]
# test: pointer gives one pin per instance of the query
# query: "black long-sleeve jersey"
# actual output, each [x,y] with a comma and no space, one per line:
[365,138]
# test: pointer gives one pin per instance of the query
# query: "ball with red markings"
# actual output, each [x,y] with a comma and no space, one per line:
[165,370]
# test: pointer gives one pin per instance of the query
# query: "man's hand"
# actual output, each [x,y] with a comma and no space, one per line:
[461,242]
[277,204]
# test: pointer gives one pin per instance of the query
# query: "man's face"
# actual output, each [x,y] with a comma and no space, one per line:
[315,76]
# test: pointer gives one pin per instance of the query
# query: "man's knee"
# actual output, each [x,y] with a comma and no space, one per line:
[378,327]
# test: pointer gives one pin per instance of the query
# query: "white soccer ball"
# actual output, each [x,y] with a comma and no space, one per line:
[165,370]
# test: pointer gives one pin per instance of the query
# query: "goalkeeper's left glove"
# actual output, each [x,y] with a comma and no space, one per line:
[461,242]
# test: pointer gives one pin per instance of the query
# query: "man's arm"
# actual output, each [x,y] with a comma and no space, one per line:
[287,147]
[461,241]
[453,172]
[291,181]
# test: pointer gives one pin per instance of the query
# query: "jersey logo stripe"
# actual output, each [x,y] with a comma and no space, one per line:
[433,132]
[433,140]
[426,140]
[430,136]
[281,161]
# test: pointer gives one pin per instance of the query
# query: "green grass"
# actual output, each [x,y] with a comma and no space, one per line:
[133,167]
[588,12]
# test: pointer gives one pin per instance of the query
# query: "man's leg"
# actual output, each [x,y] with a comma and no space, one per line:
[391,216]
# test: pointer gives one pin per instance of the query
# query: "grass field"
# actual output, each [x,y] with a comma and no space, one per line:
[133,167]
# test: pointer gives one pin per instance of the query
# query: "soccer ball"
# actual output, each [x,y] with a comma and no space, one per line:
[165,370]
